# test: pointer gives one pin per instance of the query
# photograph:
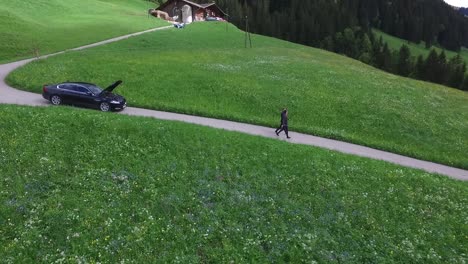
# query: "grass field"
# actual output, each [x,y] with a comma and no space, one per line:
[37,27]
[83,186]
[205,70]
[417,49]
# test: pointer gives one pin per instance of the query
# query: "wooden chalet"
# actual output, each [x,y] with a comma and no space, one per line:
[185,11]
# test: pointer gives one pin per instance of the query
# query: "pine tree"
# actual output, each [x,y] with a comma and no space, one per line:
[419,69]
[328,44]
[464,85]
[365,49]
[339,43]
[387,59]
[404,66]
[456,69]
[350,43]
[365,57]
[376,53]
[431,67]
[366,44]
[441,66]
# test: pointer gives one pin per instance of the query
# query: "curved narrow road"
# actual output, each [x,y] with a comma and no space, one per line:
[9,95]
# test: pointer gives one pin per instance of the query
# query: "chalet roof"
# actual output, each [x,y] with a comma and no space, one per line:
[198,5]
[188,2]
[162,6]
[207,5]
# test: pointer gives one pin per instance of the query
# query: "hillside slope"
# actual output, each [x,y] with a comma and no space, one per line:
[31,27]
[417,49]
[83,186]
[204,69]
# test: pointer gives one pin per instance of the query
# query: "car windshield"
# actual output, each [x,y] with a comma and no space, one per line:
[94,89]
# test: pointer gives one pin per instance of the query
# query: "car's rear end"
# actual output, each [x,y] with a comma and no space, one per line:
[47,90]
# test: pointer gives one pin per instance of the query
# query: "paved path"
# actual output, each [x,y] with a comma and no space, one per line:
[9,95]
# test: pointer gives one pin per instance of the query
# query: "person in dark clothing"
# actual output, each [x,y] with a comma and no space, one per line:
[283,115]
[284,123]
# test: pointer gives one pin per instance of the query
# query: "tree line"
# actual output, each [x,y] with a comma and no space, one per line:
[310,21]
[366,47]
[345,26]
[305,22]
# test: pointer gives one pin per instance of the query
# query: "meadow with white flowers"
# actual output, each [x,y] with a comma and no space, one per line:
[80,186]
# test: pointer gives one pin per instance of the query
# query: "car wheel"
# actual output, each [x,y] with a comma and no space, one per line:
[105,107]
[56,100]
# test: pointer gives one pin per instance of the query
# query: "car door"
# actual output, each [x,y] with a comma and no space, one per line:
[67,93]
[83,96]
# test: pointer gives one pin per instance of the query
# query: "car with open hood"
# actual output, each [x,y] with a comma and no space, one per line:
[85,95]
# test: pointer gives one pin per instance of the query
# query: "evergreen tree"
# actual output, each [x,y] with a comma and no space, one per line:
[456,69]
[387,59]
[339,43]
[441,68]
[431,67]
[366,44]
[404,66]
[420,68]
[376,53]
[464,85]
[365,57]
[328,44]
[365,49]
[349,43]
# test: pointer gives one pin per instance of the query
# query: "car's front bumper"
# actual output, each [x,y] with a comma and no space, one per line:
[119,107]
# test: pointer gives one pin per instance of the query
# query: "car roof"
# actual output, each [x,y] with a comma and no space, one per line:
[80,83]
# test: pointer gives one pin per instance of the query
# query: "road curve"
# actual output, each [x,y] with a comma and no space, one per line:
[9,95]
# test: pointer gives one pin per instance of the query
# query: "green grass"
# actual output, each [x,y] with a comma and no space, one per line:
[31,27]
[417,49]
[83,186]
[205,70]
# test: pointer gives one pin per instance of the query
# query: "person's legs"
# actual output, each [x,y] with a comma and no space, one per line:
[281,129]
[278,129]
[286,131]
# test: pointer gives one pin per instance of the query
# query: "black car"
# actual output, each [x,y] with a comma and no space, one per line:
[85,94]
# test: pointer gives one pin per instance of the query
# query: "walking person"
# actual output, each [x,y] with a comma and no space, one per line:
[281,122]
[284,123]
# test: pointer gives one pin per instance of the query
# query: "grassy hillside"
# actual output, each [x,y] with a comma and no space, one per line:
[46,26]
[205,70]
[417,49]
[83,186]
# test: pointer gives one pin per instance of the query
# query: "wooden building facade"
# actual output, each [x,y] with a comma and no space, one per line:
[185,11]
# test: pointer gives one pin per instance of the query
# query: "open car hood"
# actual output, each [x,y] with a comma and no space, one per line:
[112,86]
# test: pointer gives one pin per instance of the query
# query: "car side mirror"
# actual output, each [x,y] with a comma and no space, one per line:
[89,93]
